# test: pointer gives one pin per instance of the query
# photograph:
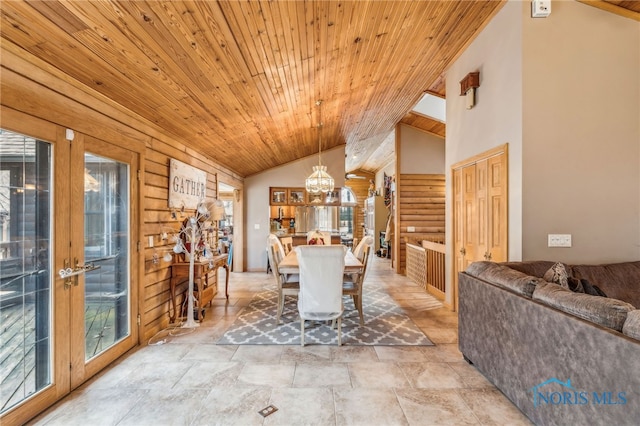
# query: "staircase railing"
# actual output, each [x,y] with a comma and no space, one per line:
[426,266]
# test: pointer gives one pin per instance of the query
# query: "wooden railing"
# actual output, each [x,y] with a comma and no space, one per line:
[435,267]
[426,267]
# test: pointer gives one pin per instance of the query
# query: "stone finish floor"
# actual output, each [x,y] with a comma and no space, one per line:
[189,380]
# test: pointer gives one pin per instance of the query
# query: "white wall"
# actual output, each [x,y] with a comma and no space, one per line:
[581,134]
[256,191]
[496,118]
[564,93]
[420,152]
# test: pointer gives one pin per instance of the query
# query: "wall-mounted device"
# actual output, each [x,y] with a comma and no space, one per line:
[468,86]
[540,8]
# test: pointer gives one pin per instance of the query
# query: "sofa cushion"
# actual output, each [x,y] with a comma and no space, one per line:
[631,326]
[557,274]
[535,268]
[504,277]
[606,312]
[618,280]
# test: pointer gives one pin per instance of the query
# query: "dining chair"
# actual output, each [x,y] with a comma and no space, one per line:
[287,285]
[320,298]
[287,244]
[366,241]
[274,239]
[353,286]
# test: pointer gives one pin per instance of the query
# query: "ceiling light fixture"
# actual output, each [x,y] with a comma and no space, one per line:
[319,180]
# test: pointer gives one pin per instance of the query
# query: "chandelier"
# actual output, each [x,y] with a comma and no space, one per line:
[319,180]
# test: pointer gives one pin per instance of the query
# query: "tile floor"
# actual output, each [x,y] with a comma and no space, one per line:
[189,380]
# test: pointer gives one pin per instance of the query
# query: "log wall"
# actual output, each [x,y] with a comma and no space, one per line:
[421,199]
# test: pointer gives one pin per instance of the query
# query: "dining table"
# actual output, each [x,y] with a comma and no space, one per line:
[289,265]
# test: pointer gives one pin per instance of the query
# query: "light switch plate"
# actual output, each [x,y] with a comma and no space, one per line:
[411,229]
[559,240]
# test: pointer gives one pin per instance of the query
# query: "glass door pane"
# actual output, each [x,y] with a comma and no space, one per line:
[106,253]
[25,272]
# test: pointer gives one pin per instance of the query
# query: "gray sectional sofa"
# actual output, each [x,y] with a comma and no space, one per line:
[561,353]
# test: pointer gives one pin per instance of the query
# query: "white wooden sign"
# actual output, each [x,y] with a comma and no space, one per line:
[187,185]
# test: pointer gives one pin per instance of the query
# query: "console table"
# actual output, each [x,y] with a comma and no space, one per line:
[205,288]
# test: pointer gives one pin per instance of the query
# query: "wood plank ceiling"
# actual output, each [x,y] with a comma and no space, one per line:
[240,80]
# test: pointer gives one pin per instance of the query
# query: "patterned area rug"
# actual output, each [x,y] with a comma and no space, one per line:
[385,324]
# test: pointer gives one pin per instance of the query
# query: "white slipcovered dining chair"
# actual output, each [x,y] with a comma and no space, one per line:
[320,297]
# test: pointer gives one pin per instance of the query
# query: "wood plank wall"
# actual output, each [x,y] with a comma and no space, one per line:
[157,218]
[421,199]
[32,88]
[360,188]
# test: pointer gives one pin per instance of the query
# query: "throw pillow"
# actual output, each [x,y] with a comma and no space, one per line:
[591,289]
[557,274]
[575,285]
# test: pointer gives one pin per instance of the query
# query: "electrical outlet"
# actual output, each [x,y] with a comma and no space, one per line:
[150,240]
[559,240]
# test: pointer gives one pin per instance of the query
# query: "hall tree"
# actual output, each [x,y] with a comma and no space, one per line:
[480,222]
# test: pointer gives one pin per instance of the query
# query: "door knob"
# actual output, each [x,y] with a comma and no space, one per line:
[463,251]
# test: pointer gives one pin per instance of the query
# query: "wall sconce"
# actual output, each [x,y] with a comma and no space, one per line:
[468,86]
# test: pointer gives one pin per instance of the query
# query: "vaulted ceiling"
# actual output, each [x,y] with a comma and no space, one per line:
[240,80]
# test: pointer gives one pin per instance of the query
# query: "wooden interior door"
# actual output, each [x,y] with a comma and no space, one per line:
[458,234]
[480,221]
[480,200]
[470,215]
[497,208]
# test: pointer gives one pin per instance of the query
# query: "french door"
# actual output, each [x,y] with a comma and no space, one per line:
[67,239]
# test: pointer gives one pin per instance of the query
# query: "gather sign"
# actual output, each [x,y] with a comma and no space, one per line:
[187,185]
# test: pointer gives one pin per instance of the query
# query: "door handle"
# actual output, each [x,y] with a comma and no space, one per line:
[67,272]
[463,251]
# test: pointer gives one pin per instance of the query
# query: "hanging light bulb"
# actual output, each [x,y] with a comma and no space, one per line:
[319,180]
